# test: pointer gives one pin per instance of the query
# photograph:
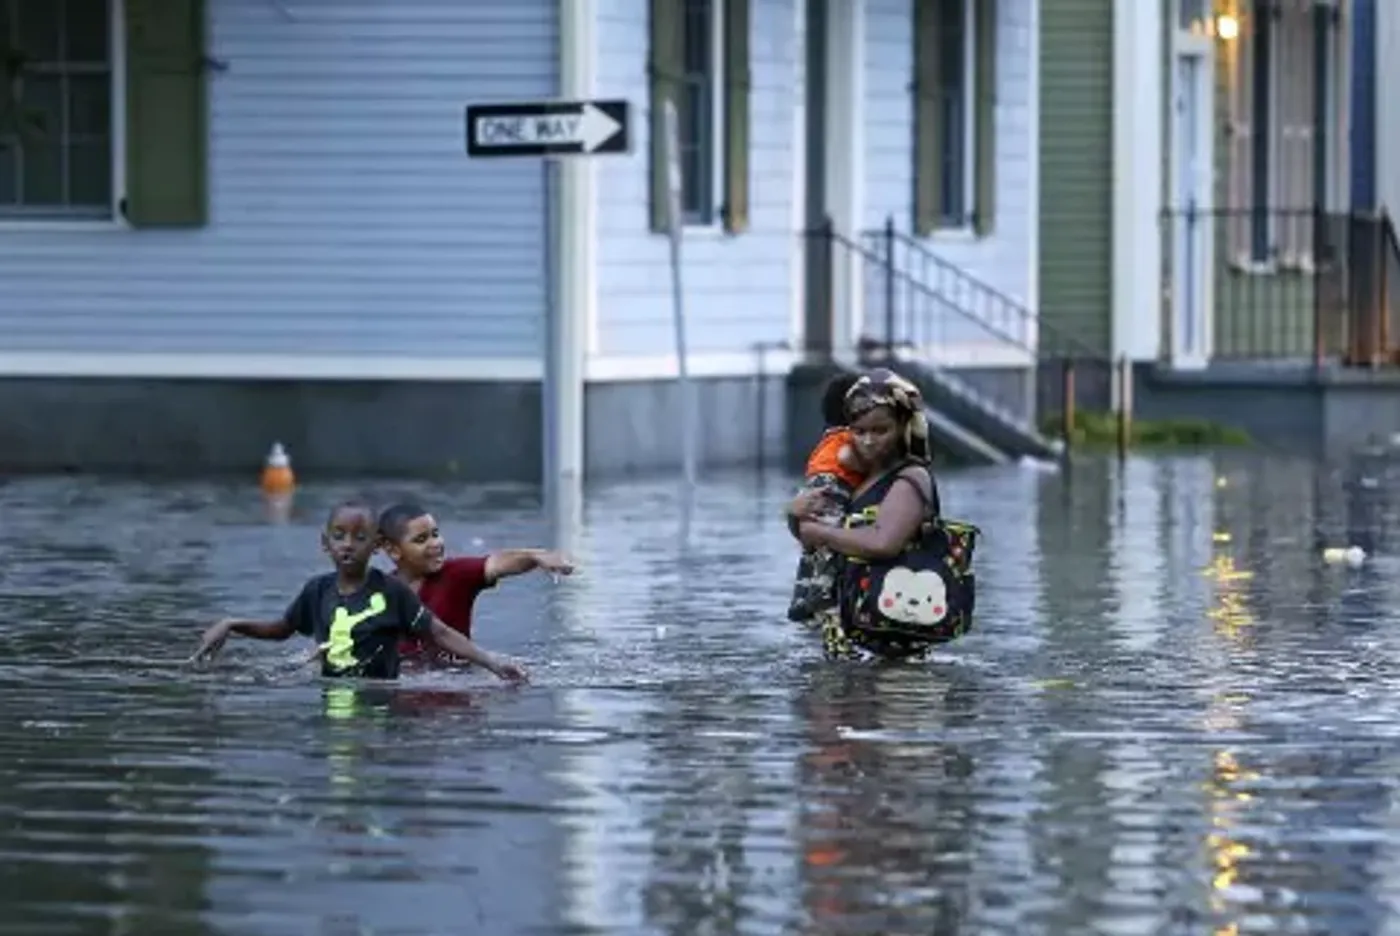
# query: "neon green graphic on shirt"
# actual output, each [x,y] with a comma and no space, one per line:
[340,648]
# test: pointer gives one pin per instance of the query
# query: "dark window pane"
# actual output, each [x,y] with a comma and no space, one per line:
[954,152]
[697,55]
[9,172]
[89,105]
[952,60]
[42,105]
[1191,12]
[39,29]
[696,137]
[695,110]
[953,73]
[87,31]
[90,174]
[63,157]
[42,173]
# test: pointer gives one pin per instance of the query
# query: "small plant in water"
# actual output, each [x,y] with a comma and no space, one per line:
[1096,430]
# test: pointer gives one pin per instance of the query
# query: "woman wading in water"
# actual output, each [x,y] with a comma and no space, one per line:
[905,582]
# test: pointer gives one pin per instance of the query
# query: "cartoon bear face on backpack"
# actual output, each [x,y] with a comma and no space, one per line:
[911,597]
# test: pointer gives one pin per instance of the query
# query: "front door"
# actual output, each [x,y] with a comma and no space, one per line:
[1191,216]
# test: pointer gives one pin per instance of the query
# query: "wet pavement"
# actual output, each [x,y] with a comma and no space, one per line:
[1172,717]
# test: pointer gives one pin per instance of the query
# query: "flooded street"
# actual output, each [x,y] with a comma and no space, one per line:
[1171,717]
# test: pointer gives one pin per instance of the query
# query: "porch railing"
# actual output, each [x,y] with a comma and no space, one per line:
[919,304]
[1280,285]
[1071,374]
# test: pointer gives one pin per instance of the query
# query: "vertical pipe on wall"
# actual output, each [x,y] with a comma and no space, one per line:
[572,216]
[844,161]
[1362,117]
[818,333]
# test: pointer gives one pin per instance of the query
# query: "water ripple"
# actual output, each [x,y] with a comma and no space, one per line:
[1172,718]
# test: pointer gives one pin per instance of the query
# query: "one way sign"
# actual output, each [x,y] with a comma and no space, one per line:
[547,128]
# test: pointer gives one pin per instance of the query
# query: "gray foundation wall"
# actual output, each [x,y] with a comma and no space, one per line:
[475,431]
[490,431]
[472,431]
[1293,409]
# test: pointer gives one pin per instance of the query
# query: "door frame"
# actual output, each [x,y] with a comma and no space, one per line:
[1188,45]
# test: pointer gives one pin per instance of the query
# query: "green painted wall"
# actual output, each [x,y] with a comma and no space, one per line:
[1076,156]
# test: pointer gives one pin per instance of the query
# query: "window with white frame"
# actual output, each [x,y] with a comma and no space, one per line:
[700,110]
[1282,53]
[957,97]
[55,109]
[1191,15]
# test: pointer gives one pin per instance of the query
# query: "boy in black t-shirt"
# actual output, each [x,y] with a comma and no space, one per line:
[357,615]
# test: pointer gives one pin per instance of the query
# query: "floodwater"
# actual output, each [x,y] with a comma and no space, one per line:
[1172,717]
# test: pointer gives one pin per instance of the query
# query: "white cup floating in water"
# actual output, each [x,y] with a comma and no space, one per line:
[1352,556]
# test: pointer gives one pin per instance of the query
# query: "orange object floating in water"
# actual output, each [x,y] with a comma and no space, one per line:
[277,477]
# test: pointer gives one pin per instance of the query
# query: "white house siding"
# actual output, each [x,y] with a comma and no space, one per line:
[345,216]
[1005,259]
[739,290]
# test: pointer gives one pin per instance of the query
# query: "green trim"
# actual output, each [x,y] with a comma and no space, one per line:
[928,126]
[737,84]
[167,114]
[664,69]
[984,141]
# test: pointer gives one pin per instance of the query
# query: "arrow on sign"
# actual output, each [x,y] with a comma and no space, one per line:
[589,129]
[547,128]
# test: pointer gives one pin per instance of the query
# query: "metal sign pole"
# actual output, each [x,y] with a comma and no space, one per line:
[563,133]
[686,390]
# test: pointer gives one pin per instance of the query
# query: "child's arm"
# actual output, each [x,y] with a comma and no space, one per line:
[460,645]
[822,488]
[297,618]
[417,620]
[511,562]
[214,638]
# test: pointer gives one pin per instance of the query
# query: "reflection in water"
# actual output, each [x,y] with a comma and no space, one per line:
[1171,718]
[889,814]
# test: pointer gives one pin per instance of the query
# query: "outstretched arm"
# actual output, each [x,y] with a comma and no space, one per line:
[510,562]
[214,638]
[262,630]
[297,617]
[460,645]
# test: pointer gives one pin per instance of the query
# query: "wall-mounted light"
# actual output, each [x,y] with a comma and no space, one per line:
[1227,27]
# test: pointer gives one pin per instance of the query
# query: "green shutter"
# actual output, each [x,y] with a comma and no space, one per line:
[665,71]
[984,117]
[736,116]
[166,114]
[928,128]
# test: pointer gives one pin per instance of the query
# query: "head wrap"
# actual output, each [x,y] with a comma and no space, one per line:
[884,387]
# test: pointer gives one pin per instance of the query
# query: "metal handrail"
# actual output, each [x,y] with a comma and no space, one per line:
[922,289]
[891,236]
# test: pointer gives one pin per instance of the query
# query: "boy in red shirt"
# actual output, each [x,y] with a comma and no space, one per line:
[449,587]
